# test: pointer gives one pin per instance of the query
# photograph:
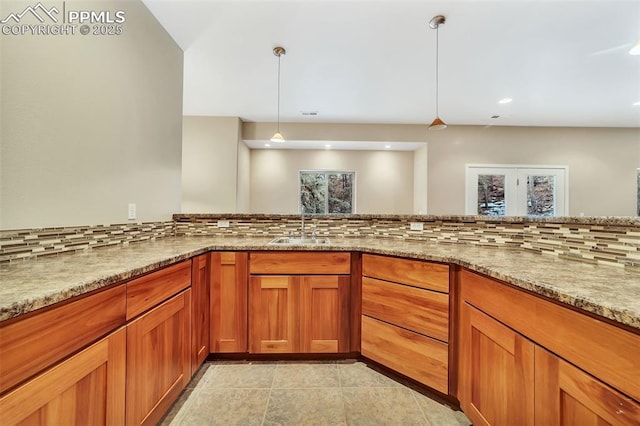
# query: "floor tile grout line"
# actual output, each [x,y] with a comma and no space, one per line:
[415,399]
[266,406]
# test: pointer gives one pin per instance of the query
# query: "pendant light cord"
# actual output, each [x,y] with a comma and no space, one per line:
[279,92]
[437,67]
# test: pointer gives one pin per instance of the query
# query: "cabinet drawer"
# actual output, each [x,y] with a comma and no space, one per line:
[38,341]
[432,276]
[291,262]
[145,292]
[423,311]
[414,355]
[602,349]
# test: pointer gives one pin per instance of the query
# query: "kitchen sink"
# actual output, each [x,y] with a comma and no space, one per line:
[293,241]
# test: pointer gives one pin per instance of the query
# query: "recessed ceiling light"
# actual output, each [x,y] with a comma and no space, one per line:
[505,100]
[635,50]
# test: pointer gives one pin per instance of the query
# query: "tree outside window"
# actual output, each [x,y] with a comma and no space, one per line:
[326,192]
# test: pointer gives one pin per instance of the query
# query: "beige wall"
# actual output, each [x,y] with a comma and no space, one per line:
[420,180]
[90,123]
[210,164]
[602,163]
[244,179]
[384,180]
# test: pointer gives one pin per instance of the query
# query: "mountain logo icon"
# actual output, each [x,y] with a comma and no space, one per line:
[39,11]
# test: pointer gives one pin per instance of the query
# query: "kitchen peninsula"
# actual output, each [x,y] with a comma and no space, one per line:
[494,274]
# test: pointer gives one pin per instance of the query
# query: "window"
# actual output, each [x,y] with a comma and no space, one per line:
[327,192]
[534,191]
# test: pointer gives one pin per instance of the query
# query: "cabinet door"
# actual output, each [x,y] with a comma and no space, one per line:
[200,326]
[229,302]
[324,313]
[565,395]
[273,314]
[158,359]
[497,371]
[86,389]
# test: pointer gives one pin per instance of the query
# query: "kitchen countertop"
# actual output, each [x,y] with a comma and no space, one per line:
[609,291]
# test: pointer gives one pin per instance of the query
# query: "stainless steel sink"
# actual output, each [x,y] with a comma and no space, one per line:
[293,241]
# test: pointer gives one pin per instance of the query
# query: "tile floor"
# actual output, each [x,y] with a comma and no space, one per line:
[303,393]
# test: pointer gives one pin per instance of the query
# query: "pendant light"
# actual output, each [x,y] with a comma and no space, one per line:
[435,23]
[277,137]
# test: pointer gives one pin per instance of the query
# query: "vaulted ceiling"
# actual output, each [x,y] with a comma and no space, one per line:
[562,62]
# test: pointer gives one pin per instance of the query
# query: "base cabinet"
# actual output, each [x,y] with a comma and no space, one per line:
[158,359]
[405,317]
[200,316]
[299,314]
[498,371]
[566,395]
[86,389]
[527,361]
[229,302]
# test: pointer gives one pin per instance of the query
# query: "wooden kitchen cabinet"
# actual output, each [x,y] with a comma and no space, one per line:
[85,389]
[405,317]
[201,310]
[292,311]
[299,314]
[229,288]
[527,360]
[566,395]
[497,372]
[159,350]
[158,359]
[38,341]
[273,314]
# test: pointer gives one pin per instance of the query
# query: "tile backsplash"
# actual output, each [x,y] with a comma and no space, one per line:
[21,244]
[611,241]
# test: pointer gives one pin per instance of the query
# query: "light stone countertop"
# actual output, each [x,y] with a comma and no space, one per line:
[609,291]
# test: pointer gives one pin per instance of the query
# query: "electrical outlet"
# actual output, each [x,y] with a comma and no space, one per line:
[416,226]
[131,212]
[223,224]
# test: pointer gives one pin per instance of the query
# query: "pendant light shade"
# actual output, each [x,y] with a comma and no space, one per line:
[277,137]
[434,24]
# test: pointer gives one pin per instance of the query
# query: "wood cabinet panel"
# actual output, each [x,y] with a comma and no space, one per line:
[604,350]
[86,389]
[229,301]
[324,313]
[201,310]
[33,344]
[428,275]
[497,371]
[146,292]
[291,262]
[419,310]
[423,359]
[565,395]
[273,314]
[158,359]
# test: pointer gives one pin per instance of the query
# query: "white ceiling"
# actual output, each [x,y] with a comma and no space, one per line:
[564,62]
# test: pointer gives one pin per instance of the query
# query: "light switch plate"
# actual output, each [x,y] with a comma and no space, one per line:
[416,226]
[223,224]
[131,211]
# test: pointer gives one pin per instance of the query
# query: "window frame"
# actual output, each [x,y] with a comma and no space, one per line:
[328,172]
